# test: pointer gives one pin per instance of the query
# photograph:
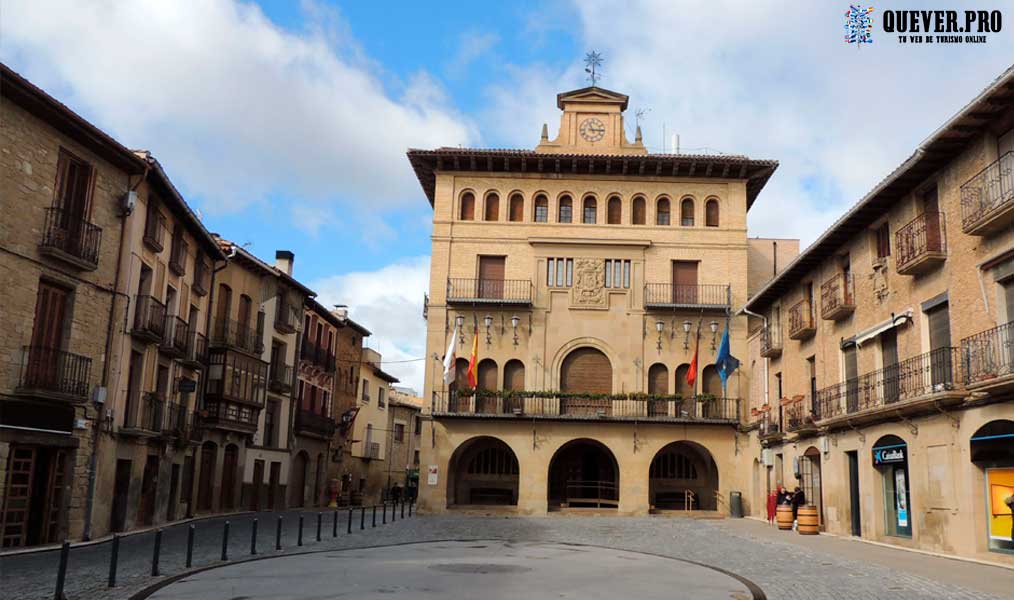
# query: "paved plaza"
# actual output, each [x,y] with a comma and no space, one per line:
[509,555]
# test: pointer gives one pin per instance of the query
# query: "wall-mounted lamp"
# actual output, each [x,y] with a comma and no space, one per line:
[714,332]
[514,325]
[488,321]
[659,327]
[686,334]
[459,322]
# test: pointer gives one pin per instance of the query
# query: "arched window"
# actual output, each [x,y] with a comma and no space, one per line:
[566,214]
[586,370]
[487,375]
[590,208]
[541,214]
[711,213]
[517,208]
[682,387]
[637,211]
[658,379]
[467,208]
[662,212]
[687,212]
[711,383]
[514,375]
[614,211]
[492,207]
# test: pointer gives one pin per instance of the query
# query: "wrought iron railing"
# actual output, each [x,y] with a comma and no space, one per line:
[769,427]
[178,255]
[286,316]
[149,416]
[72,235]
[149,317]
[564,405]
[770,340]
[176,421]
[371,450]
[590,492]
[315,423]
[800,318]
[932,372]
[923,235]
[177,334]
[317,356]
[154,229]
[836,296]
[987,192]
[279,376]
[202,276]
[489,291]
[989,354]
[56,371]
[197,348]
[799,415]
[670,294]
[226,332]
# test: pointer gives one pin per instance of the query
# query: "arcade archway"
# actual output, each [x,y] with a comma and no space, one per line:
[584,473]
[683,476]
[484,471]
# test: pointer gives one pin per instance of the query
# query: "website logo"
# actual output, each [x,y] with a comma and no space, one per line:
[859,25]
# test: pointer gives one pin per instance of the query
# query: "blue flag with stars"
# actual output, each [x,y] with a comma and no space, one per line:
[725,362]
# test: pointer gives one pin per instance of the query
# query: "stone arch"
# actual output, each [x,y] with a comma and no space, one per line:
[514,375]
[586,369]
[638,211]
[682,387]
[663,211]
[589,209]
[711,213]
[540,208]
[687,212]
[678,467]
[487,375]
[711,383]
[516,208]
[810,479]
[565,208]
[564,351]
[483,470]
[658,379]
[583,473]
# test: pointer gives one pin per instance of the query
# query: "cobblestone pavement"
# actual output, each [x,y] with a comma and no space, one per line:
[821,568]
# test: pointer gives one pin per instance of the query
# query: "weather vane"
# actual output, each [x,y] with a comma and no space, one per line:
[592,61]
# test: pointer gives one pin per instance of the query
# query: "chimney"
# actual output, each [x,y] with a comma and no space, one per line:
[341,312]
[283,260]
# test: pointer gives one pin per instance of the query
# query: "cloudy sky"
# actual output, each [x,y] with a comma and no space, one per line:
[285,124]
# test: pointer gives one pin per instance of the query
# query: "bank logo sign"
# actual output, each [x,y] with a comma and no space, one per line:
[859,25]
[887,456]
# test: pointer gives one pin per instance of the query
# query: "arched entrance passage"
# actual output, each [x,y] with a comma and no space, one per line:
[584,473]
[483,470]
[297,479]
[683,476]
[586,370]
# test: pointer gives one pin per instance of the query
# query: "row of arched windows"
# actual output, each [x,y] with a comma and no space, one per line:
[588,209]
[658,380]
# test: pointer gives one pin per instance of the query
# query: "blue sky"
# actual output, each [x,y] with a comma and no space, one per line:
[285,123]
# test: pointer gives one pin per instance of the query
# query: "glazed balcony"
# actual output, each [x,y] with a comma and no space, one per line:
[287,317]
[563,406]
[229,416]
[71,239]
[149,319]
[667,296]
[987,199]
[280,378]
[988,359]
[837,297]
[154,230]
[146,417]
[801,324]
[314,424]
[238,336]
[920,383]
[196,355]
[202,276]
[921,245]
[178,256]
[176,337]
[505,292]
[54,374]
[770,342]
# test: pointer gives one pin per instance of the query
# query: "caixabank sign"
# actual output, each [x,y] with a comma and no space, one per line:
[888,455]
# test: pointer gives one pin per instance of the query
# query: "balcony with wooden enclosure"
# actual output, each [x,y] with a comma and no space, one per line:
[178,254]
[670,296]
[801,322]
[145,415]
[202,276]
[503,292]
[922,384]
[226,333]
[235,379]
[176,337]
[314,424]
[154,229]
[280,377]
[149,319]
[837,297]
[988,359]
[770,341]
[71,239]
[51,373]
[590,407]
[287,316]
[921,245]
[987,199]
[229,416]
[196,355]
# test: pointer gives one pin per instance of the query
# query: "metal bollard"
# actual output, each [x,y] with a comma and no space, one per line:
[278,534]
[320,516]
[61,572]
[334,525]
[190,546]
[225,541]
[299,539]
[114,558]
[350,520]
[253,537]
[374,516]
[394,511]
[155,553]
[410,503]
[402,509]
[362,518]
[383,519]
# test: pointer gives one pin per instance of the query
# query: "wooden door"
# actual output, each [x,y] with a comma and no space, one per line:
[149,487]
[17,499]
[224,302]
[940,342]
[205,485]
[121,491]
[684,279]
[230,463]
[255,487]
[889,352]
[174,488]
[73,187]
[931,208]
[47,336]
[297,478]
[274,480]
[491,276]
[54,496]
[851,378]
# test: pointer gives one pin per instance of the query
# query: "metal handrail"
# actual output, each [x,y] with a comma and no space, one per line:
[927,233]
[563,405]
[988,354]
[489,291]
[671,294]
[987,191]
[72,234]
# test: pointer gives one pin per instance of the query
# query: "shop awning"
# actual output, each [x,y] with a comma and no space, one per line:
[994,443]
[883,326]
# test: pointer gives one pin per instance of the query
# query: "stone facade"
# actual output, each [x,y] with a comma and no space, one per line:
[405,425]
[368,466]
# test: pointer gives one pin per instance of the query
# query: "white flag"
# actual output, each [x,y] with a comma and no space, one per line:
[450,357]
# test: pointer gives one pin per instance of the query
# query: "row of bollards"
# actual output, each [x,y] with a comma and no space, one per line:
[114,558]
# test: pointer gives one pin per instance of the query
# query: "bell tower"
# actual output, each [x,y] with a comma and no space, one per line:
[592,123]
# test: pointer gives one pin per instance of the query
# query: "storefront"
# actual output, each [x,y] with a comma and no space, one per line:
[890,457]
[992,450]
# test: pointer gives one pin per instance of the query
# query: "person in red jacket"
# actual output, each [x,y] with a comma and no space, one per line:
[773,505]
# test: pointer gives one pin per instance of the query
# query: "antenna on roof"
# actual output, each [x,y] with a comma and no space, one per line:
[592,61]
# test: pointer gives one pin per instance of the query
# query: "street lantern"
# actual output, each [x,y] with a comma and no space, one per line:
[686,331]
[488,321]
[514,325]
[459,321]
[659,326]
[714,331]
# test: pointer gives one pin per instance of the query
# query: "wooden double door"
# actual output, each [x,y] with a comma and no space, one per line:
[33,496]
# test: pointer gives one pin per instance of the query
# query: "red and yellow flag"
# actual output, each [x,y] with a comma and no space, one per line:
[473,363]
[692,371]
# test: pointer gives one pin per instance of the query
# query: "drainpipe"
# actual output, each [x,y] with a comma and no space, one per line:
[767,381]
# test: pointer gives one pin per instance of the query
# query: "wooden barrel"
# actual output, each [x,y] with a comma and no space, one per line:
[784,514]
[809,522]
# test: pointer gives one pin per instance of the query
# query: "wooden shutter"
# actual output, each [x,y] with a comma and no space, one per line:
[684,279]
[614,210]
[491,276]
[637,211]
[517,208]
[487,375]
[939,327]
[586,370]
[492,208]
[711,213]
[467,207]
[50,311]
[889,352]
[931,210]
[514,375]
[658,379]
[244,310]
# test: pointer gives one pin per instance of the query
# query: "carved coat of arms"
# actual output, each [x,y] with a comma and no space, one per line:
[589,283]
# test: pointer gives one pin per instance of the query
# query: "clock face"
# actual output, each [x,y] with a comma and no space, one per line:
[592,130]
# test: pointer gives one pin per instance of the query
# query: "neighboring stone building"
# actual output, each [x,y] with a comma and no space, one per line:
[585,269]
[349,365]
[405,426]
[370,445]
[884,369]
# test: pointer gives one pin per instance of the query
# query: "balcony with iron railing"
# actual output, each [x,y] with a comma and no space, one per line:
[514,292]
[314,424]
[988,359]
[701,297]
[987,199]
[146,416]
[279,377]
[202,276]
[571,406]
[176,420]
[287,317]
[154,229]
[769,429]
[176,337]
[837,297]
[770,342]
[921,245]
[801,322]
[195,427]
[371,450]
[317,356]
[178,256]
[238,336]
[934,377]
[799,415]
[196,355]
[149,319]
[55,374]
[71,239]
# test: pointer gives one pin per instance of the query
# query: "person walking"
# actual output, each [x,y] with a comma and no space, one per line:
[798,499]
[773,505]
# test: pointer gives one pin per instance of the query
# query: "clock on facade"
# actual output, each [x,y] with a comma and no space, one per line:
[592,130]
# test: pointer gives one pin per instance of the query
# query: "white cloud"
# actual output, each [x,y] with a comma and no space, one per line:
[236,107]
[471,46]
[388,302]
